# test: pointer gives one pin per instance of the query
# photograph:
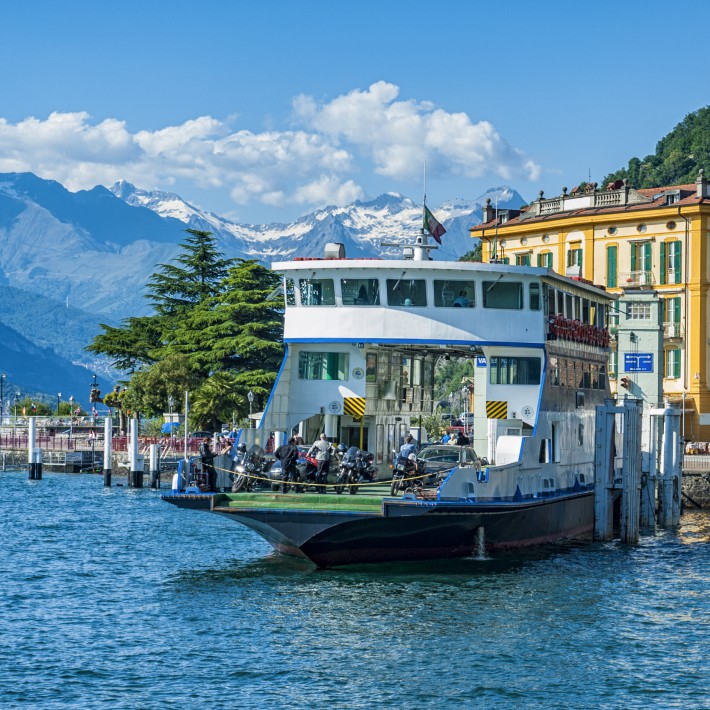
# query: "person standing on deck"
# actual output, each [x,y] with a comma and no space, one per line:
[206,458]
[321,449]
[287,454]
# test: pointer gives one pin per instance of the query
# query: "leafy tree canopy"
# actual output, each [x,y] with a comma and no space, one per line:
[476,254]
[677,159]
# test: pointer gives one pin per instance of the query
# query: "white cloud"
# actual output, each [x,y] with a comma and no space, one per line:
[367,131]
[399,136]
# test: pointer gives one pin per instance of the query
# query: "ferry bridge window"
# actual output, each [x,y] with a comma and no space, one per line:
[323,366]
[454,294]
[360,292]
[503,294]
[317,292]
[534,297]
[290,292]
[406,292]
[515,370]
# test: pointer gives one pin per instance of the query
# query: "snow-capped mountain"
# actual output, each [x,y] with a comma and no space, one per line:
[361,226]
[72,260]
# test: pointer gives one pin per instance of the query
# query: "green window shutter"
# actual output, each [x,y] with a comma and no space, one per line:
[663,263]
[633,257]
[676,365]
[611,273]
[676,262]
[676,309]
[647,256]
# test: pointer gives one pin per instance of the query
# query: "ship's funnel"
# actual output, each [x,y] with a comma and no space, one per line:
[334,250]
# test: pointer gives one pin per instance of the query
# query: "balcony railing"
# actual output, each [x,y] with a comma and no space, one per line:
[672,331]
[633,279]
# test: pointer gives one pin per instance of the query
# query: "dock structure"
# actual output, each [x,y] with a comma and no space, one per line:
[645,484]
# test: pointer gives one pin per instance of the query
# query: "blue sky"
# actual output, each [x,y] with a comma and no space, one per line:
[262,111]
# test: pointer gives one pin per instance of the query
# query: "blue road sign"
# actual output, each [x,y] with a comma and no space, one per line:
[638,362]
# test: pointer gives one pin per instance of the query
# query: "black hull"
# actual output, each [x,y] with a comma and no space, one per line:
[416,530]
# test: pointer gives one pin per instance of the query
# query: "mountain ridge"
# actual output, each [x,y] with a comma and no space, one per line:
[73,260]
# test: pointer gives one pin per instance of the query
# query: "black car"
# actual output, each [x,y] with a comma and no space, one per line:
[440,458]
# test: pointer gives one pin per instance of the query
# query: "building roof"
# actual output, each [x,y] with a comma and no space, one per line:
[647,199]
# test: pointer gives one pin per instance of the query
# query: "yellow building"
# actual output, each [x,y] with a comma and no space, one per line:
[620,238]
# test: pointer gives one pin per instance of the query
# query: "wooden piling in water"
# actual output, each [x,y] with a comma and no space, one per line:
[108,433]
[631,471]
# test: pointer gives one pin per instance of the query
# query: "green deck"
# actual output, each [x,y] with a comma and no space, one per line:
[370,502]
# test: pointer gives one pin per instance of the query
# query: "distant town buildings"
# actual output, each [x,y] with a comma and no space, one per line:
[628,239]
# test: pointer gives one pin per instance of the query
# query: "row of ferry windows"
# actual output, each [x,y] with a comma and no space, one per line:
[450,293]
[576,374]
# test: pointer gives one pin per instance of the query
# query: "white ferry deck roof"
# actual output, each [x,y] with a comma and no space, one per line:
[319,265]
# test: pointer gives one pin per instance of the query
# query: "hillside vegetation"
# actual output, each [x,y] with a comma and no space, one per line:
[677,159]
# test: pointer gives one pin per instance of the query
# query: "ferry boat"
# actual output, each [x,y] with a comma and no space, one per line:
[363,338]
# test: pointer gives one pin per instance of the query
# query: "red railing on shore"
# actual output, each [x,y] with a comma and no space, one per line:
[118,443]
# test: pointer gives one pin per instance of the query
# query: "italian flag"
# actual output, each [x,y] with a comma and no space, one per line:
[432,225]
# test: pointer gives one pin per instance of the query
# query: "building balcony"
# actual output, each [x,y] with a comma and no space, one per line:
[673,332]
[636,279]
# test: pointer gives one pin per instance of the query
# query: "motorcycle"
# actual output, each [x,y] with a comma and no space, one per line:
[306,467]
[404,470]
[356,467]
[251,468]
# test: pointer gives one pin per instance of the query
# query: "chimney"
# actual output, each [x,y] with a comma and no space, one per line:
[488,211]
[701,184]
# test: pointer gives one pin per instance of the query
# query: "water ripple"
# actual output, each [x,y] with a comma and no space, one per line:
[114,599]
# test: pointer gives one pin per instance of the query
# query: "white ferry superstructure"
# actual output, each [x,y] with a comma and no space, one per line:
[363,338]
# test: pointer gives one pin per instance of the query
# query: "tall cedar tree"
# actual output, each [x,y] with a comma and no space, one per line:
[132,345]
[176,288]
[173,290]
[239,330]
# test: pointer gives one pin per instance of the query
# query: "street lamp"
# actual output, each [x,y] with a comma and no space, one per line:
[2,395]
[250,397]
[59,399]
[71,415]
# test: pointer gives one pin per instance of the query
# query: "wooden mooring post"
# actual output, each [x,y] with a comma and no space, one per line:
[671,468]
[34,454]
[646,496]
[609,478]
[155,465]
[108,433]
[135,468]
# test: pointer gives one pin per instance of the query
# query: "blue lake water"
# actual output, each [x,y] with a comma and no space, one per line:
[112,598]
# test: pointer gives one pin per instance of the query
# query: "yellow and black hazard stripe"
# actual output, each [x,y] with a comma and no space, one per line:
[496,410]
[355,406]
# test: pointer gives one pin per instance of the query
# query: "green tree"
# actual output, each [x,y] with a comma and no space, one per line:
[215,400]
[132,345]
[476,254]
[176,288]
[678,157]
[149,389]
[239,330]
